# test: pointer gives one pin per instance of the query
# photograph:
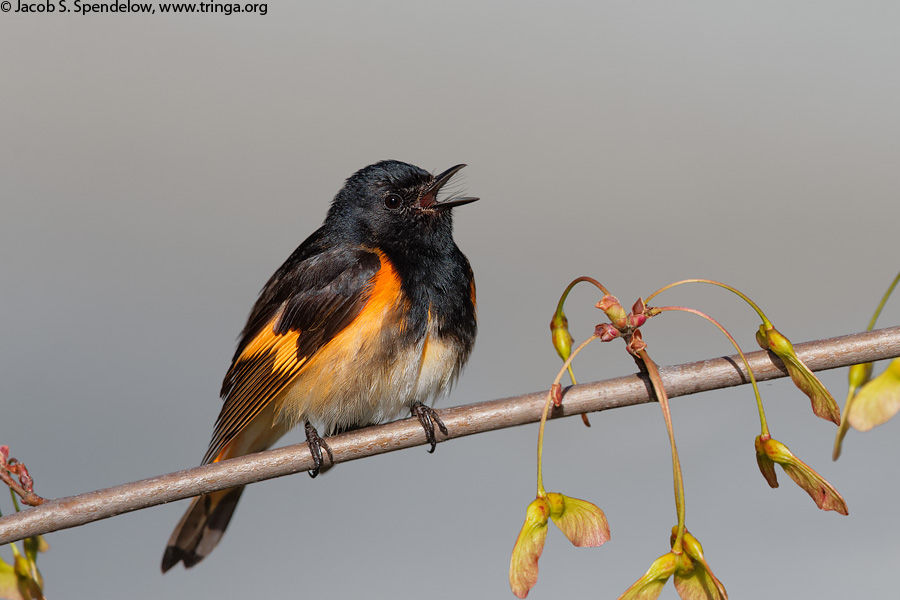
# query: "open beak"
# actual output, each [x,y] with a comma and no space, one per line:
[429,196]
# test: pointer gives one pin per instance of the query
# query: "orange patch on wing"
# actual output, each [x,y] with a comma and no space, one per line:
[266,341]
[264,367]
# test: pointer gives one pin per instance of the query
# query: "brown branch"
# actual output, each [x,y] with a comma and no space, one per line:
[679,380]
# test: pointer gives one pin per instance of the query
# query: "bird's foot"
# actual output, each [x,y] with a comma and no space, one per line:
[428,417]
[316,443]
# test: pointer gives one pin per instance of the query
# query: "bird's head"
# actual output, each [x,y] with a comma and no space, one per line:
[395,204]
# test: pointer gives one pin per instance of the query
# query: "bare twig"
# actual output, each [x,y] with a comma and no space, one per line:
[680,380]
[24,487]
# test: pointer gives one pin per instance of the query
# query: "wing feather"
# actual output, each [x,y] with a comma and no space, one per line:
[308,301]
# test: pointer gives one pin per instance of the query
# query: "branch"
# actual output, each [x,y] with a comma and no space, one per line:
[679,380]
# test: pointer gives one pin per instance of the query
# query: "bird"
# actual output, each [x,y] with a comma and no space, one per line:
[373,314]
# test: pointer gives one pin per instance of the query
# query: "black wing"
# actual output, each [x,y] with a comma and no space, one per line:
[309,300]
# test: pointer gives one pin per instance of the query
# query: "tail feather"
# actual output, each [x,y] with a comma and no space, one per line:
[201,528]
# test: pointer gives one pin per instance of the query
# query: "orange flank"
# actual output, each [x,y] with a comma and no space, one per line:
[385,295]
[356,358]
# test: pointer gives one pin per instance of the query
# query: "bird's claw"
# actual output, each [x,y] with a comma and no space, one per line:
[316,443]
[428,417]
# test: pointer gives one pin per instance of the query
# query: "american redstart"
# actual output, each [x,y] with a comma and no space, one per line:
[373,314]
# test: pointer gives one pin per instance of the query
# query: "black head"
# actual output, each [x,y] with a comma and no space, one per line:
[394,204]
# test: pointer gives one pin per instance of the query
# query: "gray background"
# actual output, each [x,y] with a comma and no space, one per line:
[155,170]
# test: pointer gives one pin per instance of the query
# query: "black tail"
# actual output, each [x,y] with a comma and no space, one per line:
[201,528]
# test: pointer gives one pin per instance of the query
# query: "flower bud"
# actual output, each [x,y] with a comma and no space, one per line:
[559,332]
[609,304]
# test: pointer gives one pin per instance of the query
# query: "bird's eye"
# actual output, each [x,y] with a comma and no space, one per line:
[392,201]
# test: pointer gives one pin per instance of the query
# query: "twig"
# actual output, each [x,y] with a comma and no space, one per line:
[29,498]
[679,380]
[23,487]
